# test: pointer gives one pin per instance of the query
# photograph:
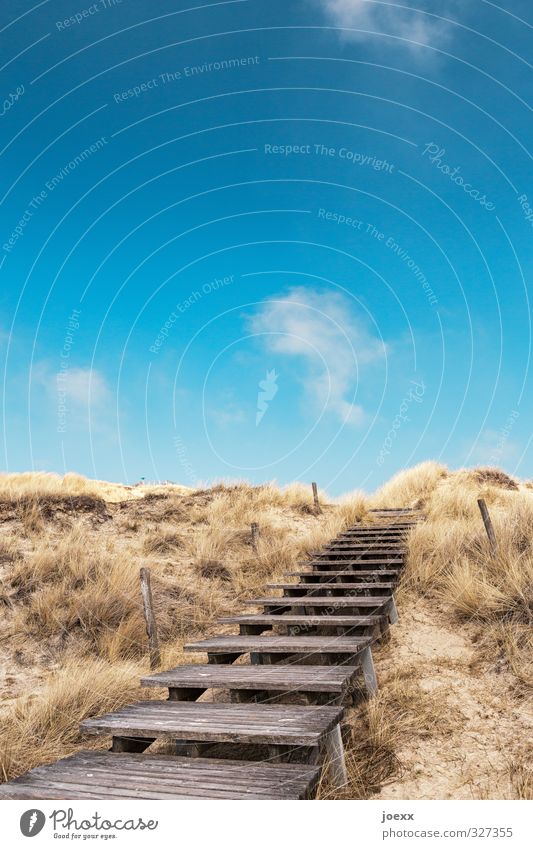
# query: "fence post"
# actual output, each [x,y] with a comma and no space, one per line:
[151,626]
[315,498]
[488,524]
[255,535]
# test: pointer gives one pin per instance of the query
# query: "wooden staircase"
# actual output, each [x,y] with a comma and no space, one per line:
[311,644]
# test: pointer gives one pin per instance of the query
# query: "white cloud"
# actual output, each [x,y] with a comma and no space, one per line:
[389,17]
[84,386]
[227,416]
[494,447]
[75,393]
[323,332]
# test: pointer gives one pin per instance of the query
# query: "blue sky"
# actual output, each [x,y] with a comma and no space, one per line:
[265,240]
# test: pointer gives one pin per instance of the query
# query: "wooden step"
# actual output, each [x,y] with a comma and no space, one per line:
[229,645]
[389,521]
[105,775]
[372,547]
[364,535]
[368,540]
[317,574]
[397,539]
[331,560]
[276,602]
[354,586]
[392,522]
[358,542]
[277,678]
[309,621]
[381,557]
[372,527]
[387,545]
[389,510]
[362,551]
[217,722]
[376,527]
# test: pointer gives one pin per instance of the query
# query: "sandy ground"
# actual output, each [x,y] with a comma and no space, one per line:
[491,727]
[26,664]
[482,724]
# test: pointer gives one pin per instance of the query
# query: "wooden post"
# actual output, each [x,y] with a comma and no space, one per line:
[255,535]
[392,611]
[488,524]
[315,498]
[151,627]
[369,672]
[334,750]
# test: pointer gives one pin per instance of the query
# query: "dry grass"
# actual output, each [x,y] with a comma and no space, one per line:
[450,557]
[80,590]
[521,779]
[70,557]
[450,562]
[411,487]
[74,633]
[43,727]
[42,485]
[375,731]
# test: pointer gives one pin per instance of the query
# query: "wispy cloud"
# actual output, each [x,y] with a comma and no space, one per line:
[494,447]
[323,331]
[84,386]
[77,394]
[227,416]
[390,16]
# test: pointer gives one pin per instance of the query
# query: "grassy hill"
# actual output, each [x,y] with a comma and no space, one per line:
[72,639]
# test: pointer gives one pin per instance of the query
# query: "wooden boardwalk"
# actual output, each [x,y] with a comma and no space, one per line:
[299,661]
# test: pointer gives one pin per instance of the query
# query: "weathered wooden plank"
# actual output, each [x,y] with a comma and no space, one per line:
[101,775]
[319,601]
[277,643]
[294,677]
[371,547]
[374,531]
[310,620]
[375,539]
[369,542]
[371,531]
[345,557]
[368,533]
[388,510]
[324,555]
[354,586]
[142,775]
[164,766]
[347,574]
[385,522]
[390,536]
[216,722]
